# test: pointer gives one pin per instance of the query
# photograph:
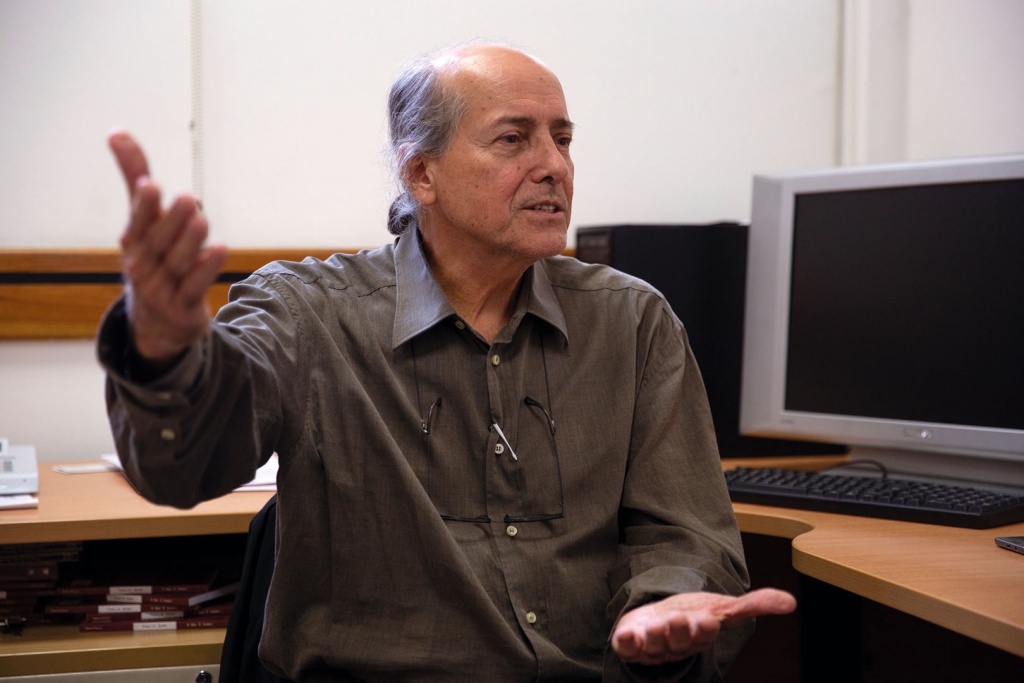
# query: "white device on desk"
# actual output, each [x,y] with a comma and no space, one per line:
[19,472]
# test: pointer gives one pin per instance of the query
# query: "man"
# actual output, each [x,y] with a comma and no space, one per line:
[496,463]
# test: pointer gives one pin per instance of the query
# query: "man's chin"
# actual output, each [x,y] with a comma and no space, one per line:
[536,242]
[552,244]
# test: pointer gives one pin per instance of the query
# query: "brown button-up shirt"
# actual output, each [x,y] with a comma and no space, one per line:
[448,509]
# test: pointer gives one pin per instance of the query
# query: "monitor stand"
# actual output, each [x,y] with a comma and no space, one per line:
[974,470]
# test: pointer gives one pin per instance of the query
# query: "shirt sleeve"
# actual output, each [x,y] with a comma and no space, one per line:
[202,428]
[678,532]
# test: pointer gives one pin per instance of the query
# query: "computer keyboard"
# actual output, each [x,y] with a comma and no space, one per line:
[870,496]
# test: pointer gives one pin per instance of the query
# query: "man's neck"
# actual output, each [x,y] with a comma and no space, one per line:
[485,303]
[483,291]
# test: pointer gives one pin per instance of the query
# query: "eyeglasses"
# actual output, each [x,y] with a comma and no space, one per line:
[530,481]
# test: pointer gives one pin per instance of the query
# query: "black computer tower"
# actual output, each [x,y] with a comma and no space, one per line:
[701,270]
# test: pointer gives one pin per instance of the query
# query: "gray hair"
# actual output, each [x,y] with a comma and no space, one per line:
[424,111]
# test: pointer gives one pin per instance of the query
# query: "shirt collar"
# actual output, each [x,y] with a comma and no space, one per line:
[421,303]
[542,301]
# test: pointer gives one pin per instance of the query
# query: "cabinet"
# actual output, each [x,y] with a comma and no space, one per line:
[104,507]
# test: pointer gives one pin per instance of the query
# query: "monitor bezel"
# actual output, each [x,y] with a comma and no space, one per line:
[762,408]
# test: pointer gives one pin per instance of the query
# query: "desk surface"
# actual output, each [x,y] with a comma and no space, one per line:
[956,578]
[103,505]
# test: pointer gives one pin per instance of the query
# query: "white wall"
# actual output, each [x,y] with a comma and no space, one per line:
[677,103]
[966,78]
[69,71]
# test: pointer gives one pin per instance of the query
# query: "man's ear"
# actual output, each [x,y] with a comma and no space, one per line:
[419,180]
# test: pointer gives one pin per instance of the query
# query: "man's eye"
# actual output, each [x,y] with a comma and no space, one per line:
[563,140]
[511,138]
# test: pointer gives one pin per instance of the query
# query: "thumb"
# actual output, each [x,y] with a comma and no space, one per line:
[758,603]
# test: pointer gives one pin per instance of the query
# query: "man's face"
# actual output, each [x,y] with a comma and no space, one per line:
[504,187]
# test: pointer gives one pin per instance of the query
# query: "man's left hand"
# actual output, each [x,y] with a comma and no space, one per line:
[681,626]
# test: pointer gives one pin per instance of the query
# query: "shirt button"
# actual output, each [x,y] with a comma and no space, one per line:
[164,396]
[167,434]
[459,324]
[511,531]
[495,359]
[499,448]
[531,618]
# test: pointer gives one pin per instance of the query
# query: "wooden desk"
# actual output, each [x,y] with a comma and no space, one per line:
[956,578]
[101,506]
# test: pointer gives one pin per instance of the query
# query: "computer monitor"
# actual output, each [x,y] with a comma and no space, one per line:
[885,310]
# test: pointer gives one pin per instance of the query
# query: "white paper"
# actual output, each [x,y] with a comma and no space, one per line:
[265,479]
[18,501]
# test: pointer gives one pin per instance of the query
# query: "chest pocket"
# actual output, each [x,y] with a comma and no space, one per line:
[513,475]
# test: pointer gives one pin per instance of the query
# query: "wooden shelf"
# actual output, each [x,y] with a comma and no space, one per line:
[104,506]
[63,649]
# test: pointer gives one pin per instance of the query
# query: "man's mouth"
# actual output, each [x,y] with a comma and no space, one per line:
[547,208]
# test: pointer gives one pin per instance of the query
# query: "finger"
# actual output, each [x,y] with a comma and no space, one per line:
[704,630]
[194,286]
[160,236]
[761,602]
[626,644]
[178,276]
[682,631]
[632,649]
[690,634]
[181,254]
[654,639]
[672,640]
[150,234]
[145,210]
[130,158]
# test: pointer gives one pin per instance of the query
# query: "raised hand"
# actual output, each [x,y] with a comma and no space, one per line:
[167,266]
[687,624]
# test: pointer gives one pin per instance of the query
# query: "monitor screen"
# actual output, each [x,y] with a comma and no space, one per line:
[885,310]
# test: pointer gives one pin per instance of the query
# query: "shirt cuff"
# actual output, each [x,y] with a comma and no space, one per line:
[124,365]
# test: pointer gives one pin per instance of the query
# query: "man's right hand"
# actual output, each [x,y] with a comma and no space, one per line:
[167,266]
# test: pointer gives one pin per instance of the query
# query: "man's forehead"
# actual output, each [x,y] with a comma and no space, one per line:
[503,85]
[523,94]
[494,68]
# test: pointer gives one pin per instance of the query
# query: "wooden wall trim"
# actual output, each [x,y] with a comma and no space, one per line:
[78,261]
[63,293]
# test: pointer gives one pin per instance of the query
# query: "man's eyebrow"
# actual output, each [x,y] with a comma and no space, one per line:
[530,122]
[562,124]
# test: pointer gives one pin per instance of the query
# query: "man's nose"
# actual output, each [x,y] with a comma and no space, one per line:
[552,162]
